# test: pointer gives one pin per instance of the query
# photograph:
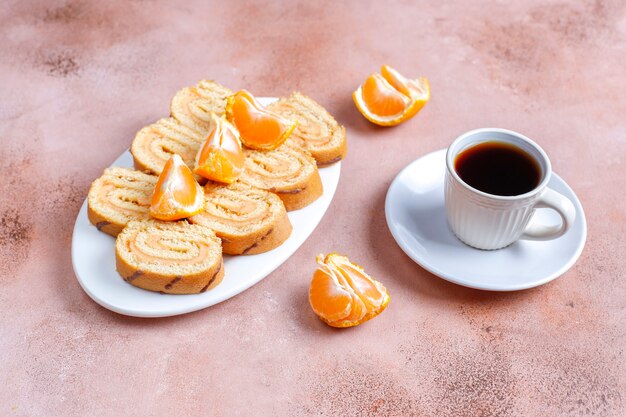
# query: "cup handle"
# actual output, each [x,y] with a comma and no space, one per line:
[560,204]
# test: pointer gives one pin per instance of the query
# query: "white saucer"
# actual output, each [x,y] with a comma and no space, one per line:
[416,217]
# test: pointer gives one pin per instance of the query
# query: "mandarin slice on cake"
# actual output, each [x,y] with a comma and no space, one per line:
[389,98]
[177,194]
[221,158]
[260,128]
[342,294]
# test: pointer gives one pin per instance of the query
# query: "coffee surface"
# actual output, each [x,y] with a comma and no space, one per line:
[498,168]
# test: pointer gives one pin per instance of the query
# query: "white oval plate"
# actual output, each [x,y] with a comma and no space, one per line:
[416,217]
[93,258]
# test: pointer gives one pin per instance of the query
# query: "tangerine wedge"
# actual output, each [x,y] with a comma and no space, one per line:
[260,128]
[220,158]
[176,195]
[389,98]
[342,294]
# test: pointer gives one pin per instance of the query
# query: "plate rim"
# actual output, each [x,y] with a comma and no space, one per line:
[470,284]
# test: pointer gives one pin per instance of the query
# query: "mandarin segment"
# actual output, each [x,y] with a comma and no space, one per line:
[342,294]
[260,128]
[221,158]
[397,80]
[382,98]
[372,293]
[416,89]
[329,300]
[176,195]
[389,98]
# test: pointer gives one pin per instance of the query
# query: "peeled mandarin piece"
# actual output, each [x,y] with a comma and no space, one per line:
[259,128]
[328,299]
[220,158]
[176,195]
[339,285]
[370,291]
[397,80]
[417,89]
[381,98]
[389,98]
[359,309]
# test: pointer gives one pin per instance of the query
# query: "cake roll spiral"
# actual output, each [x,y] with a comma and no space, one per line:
[155,144]
[192,106]
[317,131]
[169,257]
[289,171]
[248,220]
[119,196]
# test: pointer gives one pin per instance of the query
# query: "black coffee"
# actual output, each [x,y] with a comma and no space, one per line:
[498,168]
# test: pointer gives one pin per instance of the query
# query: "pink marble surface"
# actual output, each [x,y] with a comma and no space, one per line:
[77,79]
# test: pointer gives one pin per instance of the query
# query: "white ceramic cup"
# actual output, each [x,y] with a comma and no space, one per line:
[488,221]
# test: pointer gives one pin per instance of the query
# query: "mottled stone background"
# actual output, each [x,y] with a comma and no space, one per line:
[78,79]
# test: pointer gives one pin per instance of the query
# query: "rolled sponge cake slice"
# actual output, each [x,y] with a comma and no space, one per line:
[169,257]
[155,144]
[192,106]
[289,171]
[317,131]
[120,195]
[247,219]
